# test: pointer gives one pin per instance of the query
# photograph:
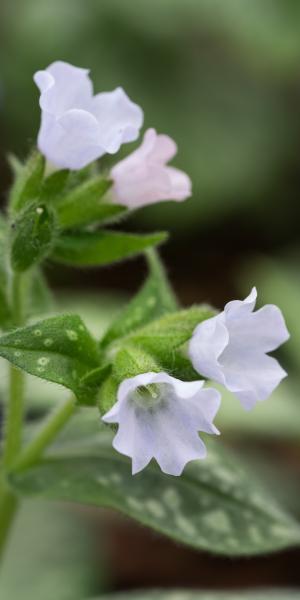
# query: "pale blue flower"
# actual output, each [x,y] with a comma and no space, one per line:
[232,347]
[77,127]
[160,417]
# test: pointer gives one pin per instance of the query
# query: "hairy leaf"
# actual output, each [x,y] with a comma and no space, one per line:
[59,349]
[103,247]
[27,184]
[54,185]
[33,235]
[85,204]
[154,299]
[216,505]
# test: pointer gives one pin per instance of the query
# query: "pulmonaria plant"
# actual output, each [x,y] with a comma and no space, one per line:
[139,375]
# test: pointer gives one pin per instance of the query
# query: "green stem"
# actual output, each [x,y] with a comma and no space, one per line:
[8,507]
[47,433]
[13,419]
[15,405]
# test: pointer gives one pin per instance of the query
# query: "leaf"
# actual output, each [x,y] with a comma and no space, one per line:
[216,505]
[85,204]
[14,163]
[154,299]
[54,185]
[59,349]
[49,555]
[27,184]
[96,377]
[103,247]
[180,594]
[33,236]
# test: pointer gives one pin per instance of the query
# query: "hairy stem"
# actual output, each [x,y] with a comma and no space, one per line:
[14,409]
[13,419]
[46,434]
[8,507]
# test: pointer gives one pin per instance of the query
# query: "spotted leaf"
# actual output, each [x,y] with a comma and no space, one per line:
[59,349]
[216,505]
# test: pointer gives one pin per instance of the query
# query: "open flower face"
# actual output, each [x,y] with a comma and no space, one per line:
[144,177]
[77,127]
[232,347]
[159,417]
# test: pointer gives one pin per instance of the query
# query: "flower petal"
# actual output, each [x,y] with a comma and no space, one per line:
[264,329]
[119,119]
[250,377]
[208,341]
[166,429]
[63,86]
[241,307]
[180,183]
[143,178]
[70,141]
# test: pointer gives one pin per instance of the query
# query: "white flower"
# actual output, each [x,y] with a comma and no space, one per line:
[159,417]
[77,127]
[232,347]
[144,178]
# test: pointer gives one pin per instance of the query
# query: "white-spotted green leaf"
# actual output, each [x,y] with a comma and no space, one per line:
[33,234]
[59,349]
[28,181]
[102,247]
[216,505]
[154,299]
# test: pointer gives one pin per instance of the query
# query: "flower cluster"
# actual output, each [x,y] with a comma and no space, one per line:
[158,415]
[230,348]
[78,128]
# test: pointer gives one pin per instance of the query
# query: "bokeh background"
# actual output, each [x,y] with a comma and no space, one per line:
[223,79]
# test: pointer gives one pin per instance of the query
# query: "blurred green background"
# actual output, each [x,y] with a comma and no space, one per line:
[222,77]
